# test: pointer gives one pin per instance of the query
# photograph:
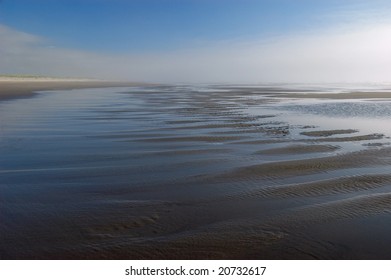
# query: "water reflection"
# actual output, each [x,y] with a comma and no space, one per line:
[141,172]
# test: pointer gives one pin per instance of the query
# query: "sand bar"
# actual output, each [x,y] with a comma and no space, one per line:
[15,87]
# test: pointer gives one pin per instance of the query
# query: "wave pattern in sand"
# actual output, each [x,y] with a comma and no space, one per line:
[183,172]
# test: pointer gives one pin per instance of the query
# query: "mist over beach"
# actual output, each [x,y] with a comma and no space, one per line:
[195,130]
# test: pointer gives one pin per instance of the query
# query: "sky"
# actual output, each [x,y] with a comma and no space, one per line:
[198,41]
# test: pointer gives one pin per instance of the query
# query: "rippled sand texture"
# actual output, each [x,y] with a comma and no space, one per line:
[188,173]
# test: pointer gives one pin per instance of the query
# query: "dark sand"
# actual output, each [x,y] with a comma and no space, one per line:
[17,88]
[326,133]
[183,175]
[297,149]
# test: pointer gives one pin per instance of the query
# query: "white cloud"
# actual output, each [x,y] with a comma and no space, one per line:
[359,54]
[29,54]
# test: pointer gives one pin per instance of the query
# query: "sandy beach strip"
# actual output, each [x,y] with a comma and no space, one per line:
[14,87]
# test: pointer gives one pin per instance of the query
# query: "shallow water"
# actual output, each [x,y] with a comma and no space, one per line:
[180,171]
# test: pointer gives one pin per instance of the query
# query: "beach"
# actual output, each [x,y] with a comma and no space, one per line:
[194,172]
[16,87]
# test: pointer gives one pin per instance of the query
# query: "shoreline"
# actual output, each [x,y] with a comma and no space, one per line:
[11,88]
[21,87]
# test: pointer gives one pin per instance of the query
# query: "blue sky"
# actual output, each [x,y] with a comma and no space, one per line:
[155,31]
[142,25]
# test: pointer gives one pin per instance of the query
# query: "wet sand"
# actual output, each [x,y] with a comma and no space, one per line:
[185,173]
[26,87]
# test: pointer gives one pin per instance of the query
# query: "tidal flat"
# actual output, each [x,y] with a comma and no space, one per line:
[196,172]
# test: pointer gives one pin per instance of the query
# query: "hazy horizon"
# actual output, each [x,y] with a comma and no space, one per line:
[226,42]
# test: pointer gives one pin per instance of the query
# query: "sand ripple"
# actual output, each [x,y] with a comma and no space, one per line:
[351,208]
[320,188]
[299,149]
[308,166]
